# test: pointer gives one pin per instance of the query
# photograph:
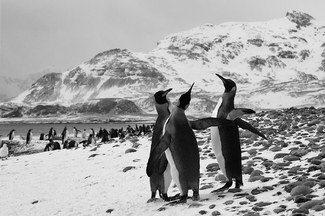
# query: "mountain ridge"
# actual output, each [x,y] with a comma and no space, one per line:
[276,64]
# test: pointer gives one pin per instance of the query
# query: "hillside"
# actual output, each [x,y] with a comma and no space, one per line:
[276,64]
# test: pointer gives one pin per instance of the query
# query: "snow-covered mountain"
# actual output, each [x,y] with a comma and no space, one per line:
[276,64]
[11,87]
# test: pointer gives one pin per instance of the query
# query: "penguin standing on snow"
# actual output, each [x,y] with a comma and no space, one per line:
[76,131]
[160,178]
[181,149]
[4,151]
[29,136]
[180,145]
[64,135]
[225,140]
[11,134]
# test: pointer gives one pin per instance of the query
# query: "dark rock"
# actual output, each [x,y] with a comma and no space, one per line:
[290,186]
[310,204]
[294,169]
[301,190]
[128,168]
[280,155]
[256,173]
[300,212]
[131,150]
[258,190]
[322,183]
[300,199]
[291,158]
[318,207]
[212,206]
[215,213]
[248,170]
[109,210]
[261,204]
[278,210]
[203,212]
[212,167]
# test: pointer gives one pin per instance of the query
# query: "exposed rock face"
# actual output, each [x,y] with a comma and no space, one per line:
[275,64]
[301,19]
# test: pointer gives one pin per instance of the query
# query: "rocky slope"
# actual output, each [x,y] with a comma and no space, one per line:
[276,64]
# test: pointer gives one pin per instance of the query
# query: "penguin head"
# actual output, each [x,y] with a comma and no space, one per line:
[184,100]
[230,86]
[160,96]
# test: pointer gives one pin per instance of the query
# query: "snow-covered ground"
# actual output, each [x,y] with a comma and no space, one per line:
[103,179]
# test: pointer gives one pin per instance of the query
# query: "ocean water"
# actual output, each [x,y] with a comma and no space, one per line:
[38,128]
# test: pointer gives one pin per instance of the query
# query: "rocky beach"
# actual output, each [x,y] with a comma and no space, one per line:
[284,175]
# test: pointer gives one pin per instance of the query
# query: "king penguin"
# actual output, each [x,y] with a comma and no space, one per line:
[11,134]
[4,151]
[225,140]
[161,178]
[29,136]
[181,149]
[65,135]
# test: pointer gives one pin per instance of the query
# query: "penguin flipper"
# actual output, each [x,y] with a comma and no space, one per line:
[204,123]
[245,125]
[156,153]
[163,163]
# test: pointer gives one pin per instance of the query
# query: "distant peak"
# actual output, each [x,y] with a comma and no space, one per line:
[300,18]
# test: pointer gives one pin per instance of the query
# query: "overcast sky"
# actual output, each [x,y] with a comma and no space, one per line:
[61,34]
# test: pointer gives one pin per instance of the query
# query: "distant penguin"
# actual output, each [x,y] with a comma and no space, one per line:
[225,140]
[51,134]
[1,141]
[11,134]
[161,176]
[29,136]
[105,135]
[93,135]
[84,134]
[41,137]
[64,135]
[75,131]
[52,146]
[100,133]
[4,151]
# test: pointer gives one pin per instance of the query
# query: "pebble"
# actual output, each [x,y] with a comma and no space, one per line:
[280,155]
[301,190]
[291,158]
[128,168]
[131,150]
[213,167]
[310,204]
[215,213]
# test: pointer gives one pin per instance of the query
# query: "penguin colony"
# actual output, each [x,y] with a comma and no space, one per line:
[174,149]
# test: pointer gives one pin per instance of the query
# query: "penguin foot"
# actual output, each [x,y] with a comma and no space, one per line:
[223,188]
[182,200]
[164,197]
[175,197]
[196,196]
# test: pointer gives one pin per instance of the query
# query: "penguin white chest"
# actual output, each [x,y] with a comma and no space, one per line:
[173,168]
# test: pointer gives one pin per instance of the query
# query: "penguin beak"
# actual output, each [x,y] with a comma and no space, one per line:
[166,92]
[229,85]
[222,79]
[184,100]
